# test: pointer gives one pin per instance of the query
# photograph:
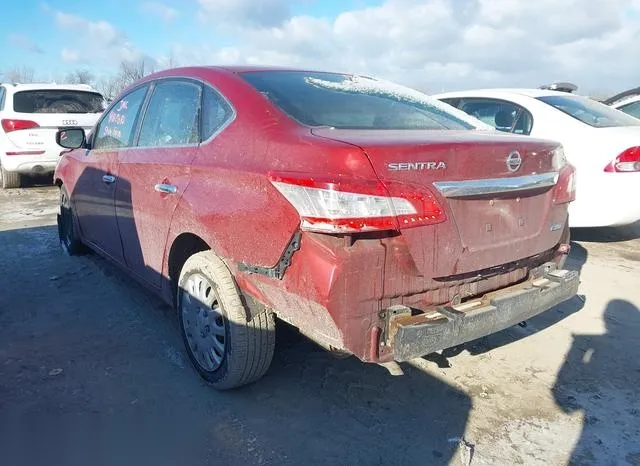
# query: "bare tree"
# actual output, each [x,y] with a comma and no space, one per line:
[22,74]
[109,87]
[128,73]
[171,62]
[131,71]
[83,76]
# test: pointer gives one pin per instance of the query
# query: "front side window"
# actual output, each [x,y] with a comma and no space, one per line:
[173,115]
[57,101]
[352,102]
[116,129]
[632,109]
[503,115]
[589,111]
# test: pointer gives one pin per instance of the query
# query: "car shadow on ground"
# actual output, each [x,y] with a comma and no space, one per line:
[36,181]
[593,381]
[87,348]
[607,234]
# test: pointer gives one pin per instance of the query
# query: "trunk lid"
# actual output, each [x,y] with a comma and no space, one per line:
[499,205]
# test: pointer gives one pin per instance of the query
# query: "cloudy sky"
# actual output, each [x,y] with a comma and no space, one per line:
[433,45]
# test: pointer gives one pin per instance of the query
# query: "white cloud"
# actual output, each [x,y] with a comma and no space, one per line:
[441,44]
[160,10]
[256,13]
[70,56]
[25,43]
[97,42]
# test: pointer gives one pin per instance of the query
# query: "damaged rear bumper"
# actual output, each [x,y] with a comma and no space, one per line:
[445,327]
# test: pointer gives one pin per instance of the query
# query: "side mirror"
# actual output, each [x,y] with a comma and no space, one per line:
[70,138]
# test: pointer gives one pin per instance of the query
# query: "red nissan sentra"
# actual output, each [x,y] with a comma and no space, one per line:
[377,221]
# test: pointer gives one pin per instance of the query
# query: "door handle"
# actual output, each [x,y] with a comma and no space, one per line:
[109,179]
[166,188]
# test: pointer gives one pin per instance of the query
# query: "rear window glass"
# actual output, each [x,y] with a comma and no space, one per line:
[589,111]
[352,102]
[57,101]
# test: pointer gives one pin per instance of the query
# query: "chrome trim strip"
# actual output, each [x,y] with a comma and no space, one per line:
[496,185]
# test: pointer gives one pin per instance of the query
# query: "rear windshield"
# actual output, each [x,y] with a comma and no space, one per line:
[351,102]
[589,111]
[57,101]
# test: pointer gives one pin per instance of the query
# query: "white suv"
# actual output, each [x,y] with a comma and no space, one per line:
[30,115]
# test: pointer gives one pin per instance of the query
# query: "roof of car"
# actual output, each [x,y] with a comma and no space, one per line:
[503,91]
[623,96]
[248,68]
[235,69]
[239,69]
[627,100]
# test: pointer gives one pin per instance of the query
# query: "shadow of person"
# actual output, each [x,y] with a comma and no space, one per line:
[601,378]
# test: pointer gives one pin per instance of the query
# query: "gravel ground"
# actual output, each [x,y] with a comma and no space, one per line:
[92,371]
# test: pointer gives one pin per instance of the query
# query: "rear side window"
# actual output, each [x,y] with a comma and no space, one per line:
[2,94]
[351,102]
[116,129]
[57,101]
[589,111]
[173,115]
[451,101]
[216,113]
[503,115]
[632,109]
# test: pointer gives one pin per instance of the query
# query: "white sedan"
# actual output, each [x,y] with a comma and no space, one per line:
[602,143]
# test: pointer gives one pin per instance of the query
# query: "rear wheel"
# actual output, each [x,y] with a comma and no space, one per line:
[227,348]
[67,227]
[9,179]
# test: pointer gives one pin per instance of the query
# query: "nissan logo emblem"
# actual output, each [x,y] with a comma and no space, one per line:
[514,161]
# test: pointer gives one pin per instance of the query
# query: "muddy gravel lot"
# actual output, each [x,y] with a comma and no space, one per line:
[92,371]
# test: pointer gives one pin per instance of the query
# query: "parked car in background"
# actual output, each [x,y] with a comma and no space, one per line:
[627,102]
[365,214]
[30,115]
[602,143]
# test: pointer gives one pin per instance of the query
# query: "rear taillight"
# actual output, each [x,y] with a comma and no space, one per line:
[565,190]
[334,205]
[15,125]
[628,161]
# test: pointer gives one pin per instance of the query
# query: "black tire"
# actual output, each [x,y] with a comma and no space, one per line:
[68,227]
[248,343]
[9,180]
